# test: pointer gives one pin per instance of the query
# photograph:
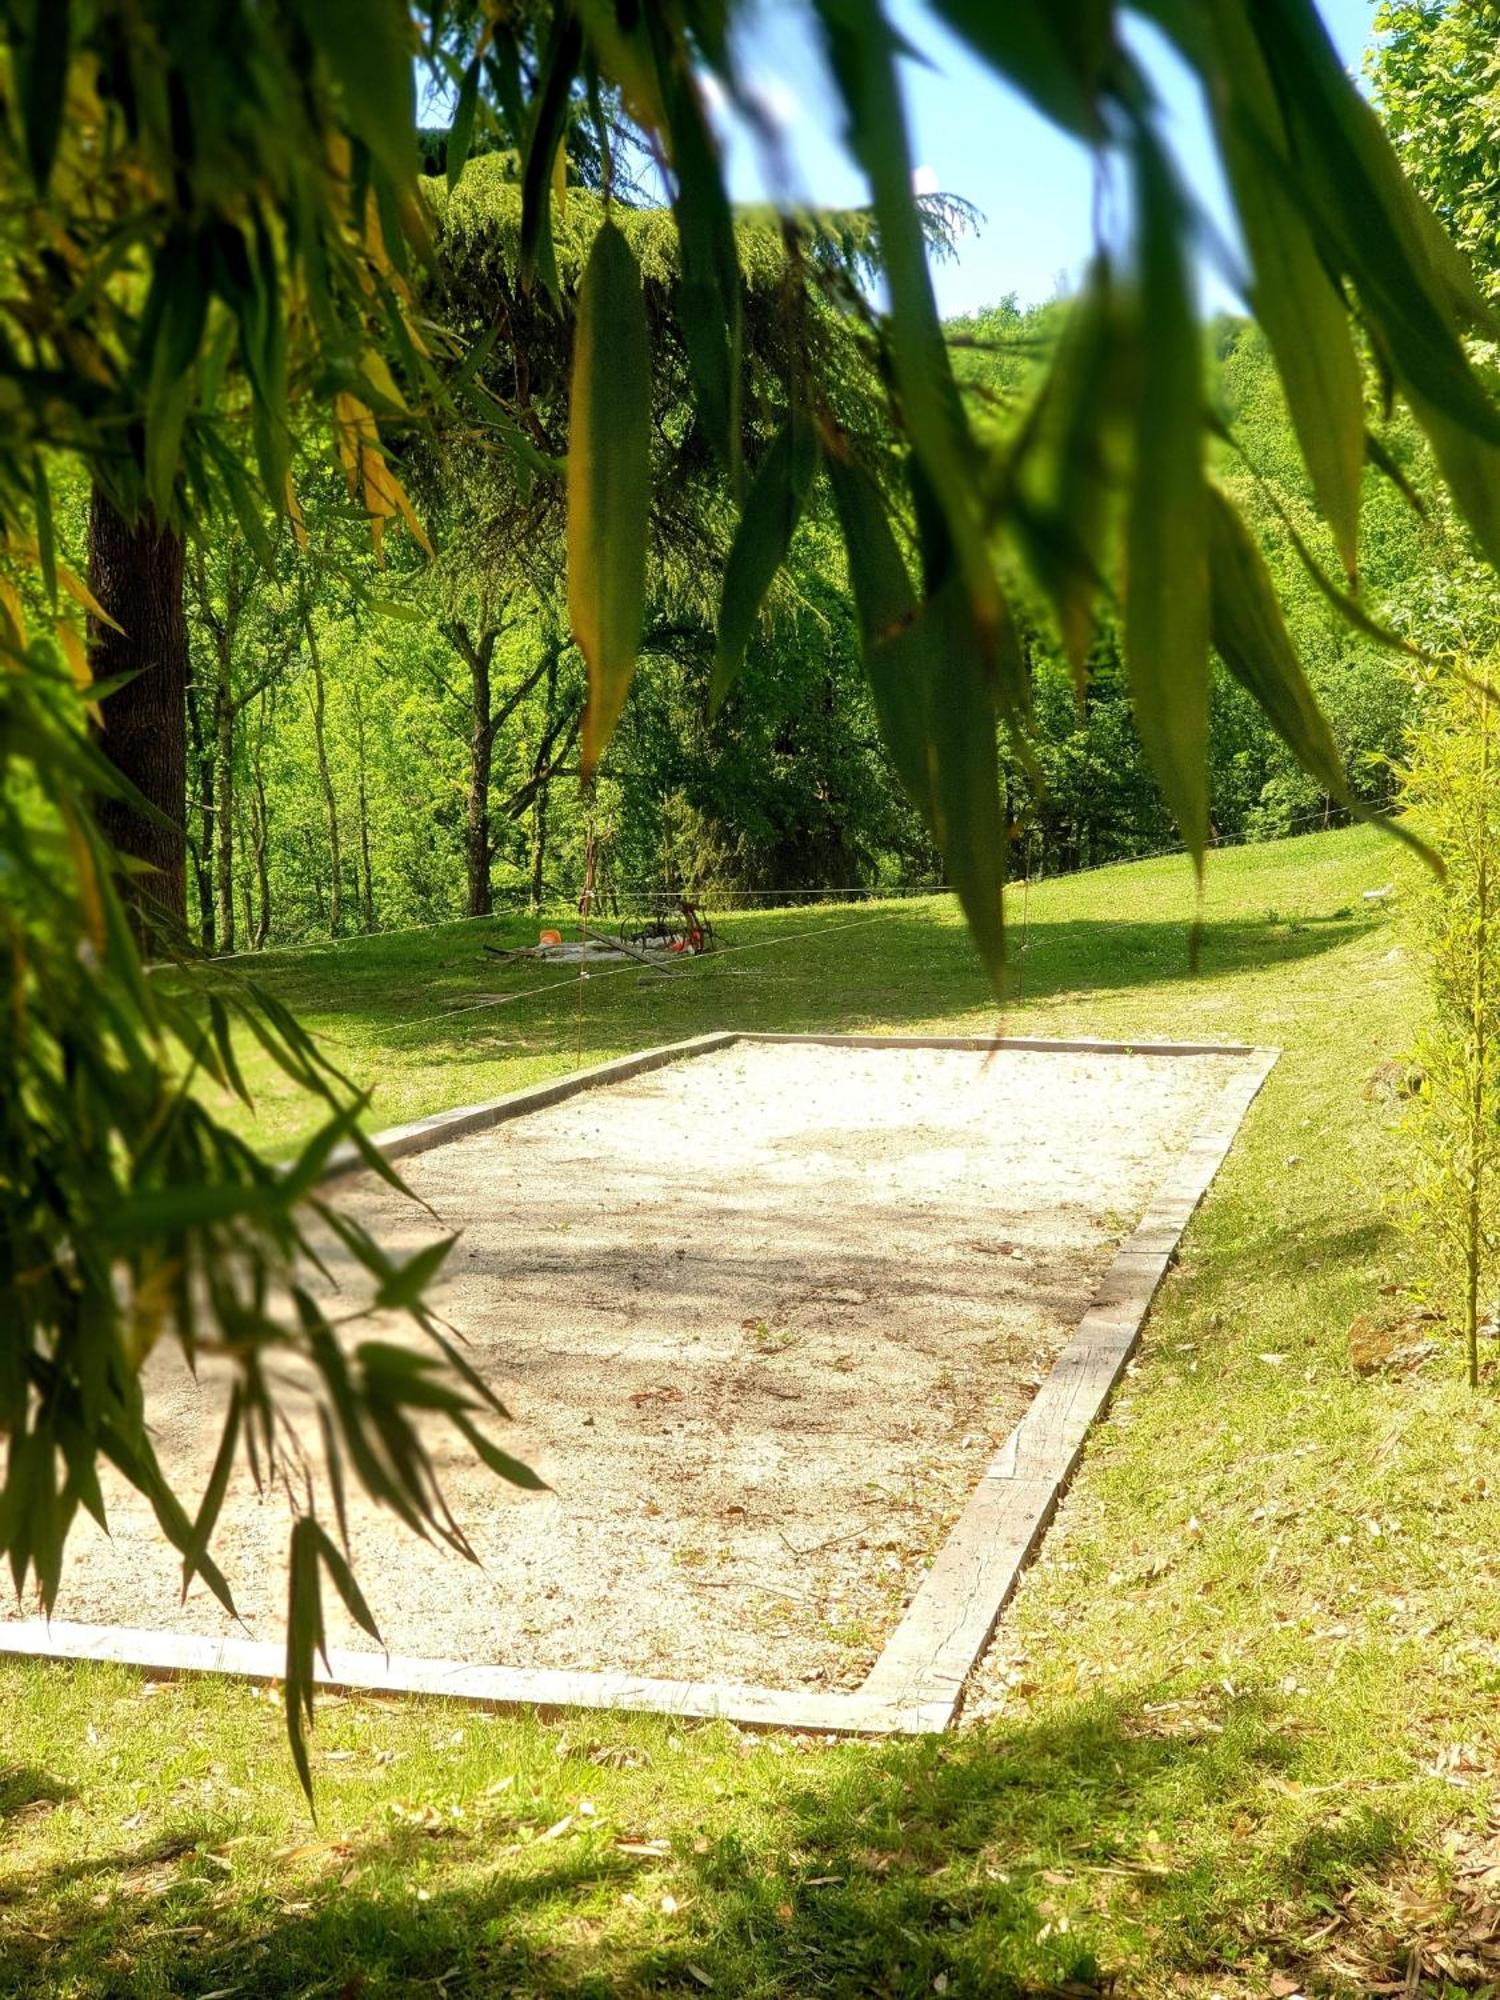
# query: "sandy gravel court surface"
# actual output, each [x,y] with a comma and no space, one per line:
[759,1317]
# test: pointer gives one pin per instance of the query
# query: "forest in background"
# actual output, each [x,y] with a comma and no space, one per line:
[376,743]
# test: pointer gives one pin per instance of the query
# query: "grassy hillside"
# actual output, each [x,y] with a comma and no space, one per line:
[428,1019]
[1238,1735]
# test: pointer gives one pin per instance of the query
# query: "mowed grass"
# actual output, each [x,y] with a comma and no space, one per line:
[1238,1734]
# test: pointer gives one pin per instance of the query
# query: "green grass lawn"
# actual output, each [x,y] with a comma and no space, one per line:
[1238,1735]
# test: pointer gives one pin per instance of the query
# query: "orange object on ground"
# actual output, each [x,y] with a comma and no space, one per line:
[550,937]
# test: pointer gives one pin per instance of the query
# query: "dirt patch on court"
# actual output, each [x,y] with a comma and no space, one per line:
[760,1319]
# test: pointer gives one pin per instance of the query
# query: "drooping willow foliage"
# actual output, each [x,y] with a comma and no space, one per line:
[213,246]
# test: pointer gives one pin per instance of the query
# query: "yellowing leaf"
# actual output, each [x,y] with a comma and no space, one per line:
[294,513]
[15,616]
[27,547]
[609,481]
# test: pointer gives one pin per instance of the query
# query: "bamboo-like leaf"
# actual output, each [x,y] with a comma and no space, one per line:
[333,1560]
[46,541]
[502,1463]
[1077,441]
[883,597]
[933,696]
[1385,461]
[1250,636]
[761,541]
[368,49]
[304,1640]
[1054,55]
[609,481]
[42,52]
[461,131]
[405,1284]
[1166,605]
[172,328]
[1471,466]
[709,293]
[1296,302]
[549,120]
[213,1494]
[863,48]
[1369,216]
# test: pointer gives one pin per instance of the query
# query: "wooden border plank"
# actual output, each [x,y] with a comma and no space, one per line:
[952,1617]
[442,1127]
[541,1688]
[916,1685]
[1040,1044]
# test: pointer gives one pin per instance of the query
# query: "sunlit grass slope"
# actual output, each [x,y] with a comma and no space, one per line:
[1239,1734]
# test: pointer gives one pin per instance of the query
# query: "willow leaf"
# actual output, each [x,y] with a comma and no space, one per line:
[548,124]
[41,55]
[761,541]
[1368,216]
[1304,317]
[609,481]
[1054,55]
[862,47]
[1166,604]
[933,690]
[709,293]
[1250,636]
[461,131]
[366,47]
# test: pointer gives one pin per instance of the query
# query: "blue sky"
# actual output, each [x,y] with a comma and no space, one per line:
[976,139]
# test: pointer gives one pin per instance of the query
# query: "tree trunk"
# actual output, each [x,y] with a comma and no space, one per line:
[224,807]
[260,826]
[200,847]
[325,779]
[366,886]
[477,657]
[543,792]
[244,836]
[135,571]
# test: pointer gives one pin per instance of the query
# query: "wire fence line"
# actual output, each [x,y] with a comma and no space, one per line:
[728,901]
[679,969]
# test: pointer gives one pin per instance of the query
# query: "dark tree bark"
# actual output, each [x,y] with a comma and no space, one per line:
[135,571]
[224,809]
[540,801]
[260,829]
[485,724]
[201,806]
[366,885]
[325,780]
[477,655]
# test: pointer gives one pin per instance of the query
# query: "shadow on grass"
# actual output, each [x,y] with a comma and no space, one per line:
[919,971]
[975,1865]
[24,1789]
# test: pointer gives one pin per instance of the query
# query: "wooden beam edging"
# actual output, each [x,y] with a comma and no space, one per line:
[1078,1045]
[400,1141]
[951,1619]
[440,1128]
[916,1685]
[168,1654]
